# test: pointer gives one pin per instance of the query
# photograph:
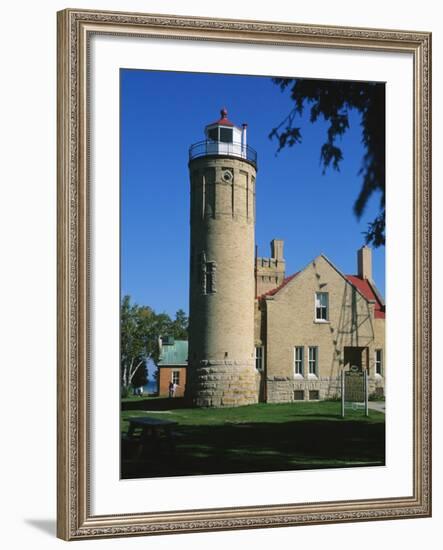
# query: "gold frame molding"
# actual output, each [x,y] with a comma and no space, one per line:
[74,519]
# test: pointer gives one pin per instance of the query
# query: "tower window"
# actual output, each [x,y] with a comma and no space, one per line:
[210,277]
[259,358]
[208,271]
[321,306]
[202,271]
[213,134]
[226,135]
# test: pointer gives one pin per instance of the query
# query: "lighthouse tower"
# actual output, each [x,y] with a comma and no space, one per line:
[222,168]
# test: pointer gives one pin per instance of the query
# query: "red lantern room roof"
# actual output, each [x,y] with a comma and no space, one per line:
[223,121]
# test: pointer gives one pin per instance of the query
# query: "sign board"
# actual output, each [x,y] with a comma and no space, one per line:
[354,389]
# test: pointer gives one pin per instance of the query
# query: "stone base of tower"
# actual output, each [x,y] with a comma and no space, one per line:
[223,384]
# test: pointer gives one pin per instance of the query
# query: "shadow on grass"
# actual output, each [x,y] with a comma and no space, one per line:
[260,447]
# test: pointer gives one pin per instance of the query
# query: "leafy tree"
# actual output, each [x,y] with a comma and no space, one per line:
[333,100]
[178,329]
[140,377]
[140,327]
[179,326]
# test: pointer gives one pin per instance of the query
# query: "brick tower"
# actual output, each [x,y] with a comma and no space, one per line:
[222,288]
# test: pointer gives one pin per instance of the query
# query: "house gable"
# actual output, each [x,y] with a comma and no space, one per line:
[366,289]
[291,319]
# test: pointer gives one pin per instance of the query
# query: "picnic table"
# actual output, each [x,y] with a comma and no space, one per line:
[151,434]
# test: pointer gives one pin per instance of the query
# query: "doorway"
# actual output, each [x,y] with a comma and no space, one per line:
[355,358]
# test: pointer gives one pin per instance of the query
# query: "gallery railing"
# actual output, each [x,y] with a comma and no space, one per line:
[221,148]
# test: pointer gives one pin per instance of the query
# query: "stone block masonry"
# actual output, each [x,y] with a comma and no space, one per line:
[222,285]
[283,389]
[224,384]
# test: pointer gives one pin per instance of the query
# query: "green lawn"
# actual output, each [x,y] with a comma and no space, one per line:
[255,438]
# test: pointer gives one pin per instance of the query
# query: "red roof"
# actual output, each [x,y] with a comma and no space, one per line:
[279,287]
[366,289]
[223,121]
[360,284]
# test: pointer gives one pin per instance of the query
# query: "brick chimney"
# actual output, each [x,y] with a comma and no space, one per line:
[364,262]
[277,249]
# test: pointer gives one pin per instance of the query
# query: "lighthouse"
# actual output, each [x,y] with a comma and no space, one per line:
[222,169]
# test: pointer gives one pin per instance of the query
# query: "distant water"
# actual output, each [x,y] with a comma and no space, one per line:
[151,387]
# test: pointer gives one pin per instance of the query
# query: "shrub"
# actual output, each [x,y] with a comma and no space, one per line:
[377,395]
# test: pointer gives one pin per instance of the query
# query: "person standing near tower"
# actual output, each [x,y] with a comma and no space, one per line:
[223,172]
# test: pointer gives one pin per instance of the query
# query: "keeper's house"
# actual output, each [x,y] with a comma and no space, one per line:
[315,323]
[172,364]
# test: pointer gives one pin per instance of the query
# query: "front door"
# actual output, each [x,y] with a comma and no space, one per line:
[353,358]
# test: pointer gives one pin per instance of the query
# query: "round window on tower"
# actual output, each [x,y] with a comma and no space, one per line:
[227,176]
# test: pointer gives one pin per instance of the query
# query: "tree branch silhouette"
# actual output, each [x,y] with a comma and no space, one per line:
[334,100]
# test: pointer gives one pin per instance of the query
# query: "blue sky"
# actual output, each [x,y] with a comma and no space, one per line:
[162,114]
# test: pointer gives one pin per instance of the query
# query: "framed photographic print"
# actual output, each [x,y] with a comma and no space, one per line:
[244,274]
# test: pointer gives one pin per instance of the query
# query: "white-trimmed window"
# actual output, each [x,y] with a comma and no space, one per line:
[221,133]
[259,358]
[379,361]
[226,135]
[176,377]
[313,360]
[298,361]
[321,306]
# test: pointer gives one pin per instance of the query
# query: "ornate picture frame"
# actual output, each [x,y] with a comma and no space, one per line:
[75,518]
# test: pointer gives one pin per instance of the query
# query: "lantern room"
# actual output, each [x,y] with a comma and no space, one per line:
[224,138]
